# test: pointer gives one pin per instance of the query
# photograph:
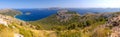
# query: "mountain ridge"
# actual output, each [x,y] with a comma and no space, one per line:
[63,24]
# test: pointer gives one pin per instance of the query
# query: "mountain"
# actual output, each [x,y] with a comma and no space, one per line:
[90,24]
[12,27]
[9,12]
[67,18]
[54,8]
[64,23]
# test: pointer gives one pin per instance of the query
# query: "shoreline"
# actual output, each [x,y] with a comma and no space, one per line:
[24,20]
[18,18]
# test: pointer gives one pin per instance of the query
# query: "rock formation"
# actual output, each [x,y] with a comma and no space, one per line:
[64,15]
[115,23]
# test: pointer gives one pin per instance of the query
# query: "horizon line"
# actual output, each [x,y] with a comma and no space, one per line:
[56,7]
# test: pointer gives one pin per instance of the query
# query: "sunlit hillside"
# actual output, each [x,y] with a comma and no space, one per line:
[62,24]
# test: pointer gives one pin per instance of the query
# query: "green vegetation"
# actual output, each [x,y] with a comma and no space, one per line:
[69,33]
[71,24]
[75,21]
[26,33]
[9,12]
[102,32]
[76,26]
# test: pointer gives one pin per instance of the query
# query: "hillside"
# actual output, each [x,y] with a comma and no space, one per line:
[88,25]
[63,24]
[66,19]
[12,27]
[9,12]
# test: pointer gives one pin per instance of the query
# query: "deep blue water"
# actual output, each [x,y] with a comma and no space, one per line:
[37,14]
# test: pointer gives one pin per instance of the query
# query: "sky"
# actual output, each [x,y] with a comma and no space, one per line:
[60,3]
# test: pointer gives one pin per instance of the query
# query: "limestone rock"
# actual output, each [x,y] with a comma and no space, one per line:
[18,35]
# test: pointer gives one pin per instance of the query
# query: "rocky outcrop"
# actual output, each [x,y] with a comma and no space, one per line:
[115,23]
[64,15]
[8,20]
[3,22]
[18,35]
[115,32]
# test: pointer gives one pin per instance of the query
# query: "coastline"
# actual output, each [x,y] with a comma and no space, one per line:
[18,18]
[24,20]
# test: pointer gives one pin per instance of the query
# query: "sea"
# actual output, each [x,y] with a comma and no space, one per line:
[41,13]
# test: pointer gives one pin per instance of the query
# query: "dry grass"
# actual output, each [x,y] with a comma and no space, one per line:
[6,33]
